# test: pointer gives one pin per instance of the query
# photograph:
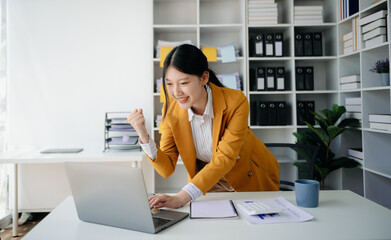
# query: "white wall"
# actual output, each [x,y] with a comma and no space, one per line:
[69,62]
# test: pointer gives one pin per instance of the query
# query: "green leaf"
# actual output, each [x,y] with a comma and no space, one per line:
[343,162]
[349,122]
[327,114]
[334,131]
[319,134]
[338,111]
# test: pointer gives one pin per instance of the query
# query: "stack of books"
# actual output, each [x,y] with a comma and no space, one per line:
[350,39]
[350,82]
[353,108]
[308,14]
[356,154]
[380,121]
[374,28]
[262,12]
[347,8]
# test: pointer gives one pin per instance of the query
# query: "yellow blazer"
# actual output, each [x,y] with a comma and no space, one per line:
[238,156]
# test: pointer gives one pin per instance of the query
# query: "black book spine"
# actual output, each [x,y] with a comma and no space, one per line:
[309,78]
[278,44]
[271,78]
[261,79]
[272,114]
[259,45]
[309,109]
[269,45]
[299,44]
[317,44]
[300,78]
[253,111]
[308,44]
[301,113]
[280,78]
[253,79]
[262,113]
[281,113]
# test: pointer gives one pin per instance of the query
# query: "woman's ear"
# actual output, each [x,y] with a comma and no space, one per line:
[205,77]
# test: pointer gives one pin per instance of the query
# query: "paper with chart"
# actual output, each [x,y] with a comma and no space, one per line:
[291,213]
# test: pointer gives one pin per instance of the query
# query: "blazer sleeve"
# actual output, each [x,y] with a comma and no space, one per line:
[228,148]
[167,154]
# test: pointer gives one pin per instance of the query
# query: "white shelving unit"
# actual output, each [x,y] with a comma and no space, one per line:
[217,22]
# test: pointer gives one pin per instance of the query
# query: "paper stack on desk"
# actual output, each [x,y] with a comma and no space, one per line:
[291,213]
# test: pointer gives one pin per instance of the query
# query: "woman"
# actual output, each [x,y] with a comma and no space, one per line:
[207,125]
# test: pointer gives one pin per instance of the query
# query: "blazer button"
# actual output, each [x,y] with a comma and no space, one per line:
[250,174]
[238,157]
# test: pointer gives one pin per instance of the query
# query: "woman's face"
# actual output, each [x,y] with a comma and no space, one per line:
[188,90]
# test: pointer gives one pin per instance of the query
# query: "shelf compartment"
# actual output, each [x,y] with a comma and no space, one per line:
[230,68]
[287,64]
[349,65]
[329,34]
[330,13]
[325,73]
[288,99]
[369,7]
[286,31]
[322,101]
[344,28]
[377,152]
[378,189]
[222,12]
[375,102]
[274,135]
[174,34]
[175,12]
[221,36]
[368,59]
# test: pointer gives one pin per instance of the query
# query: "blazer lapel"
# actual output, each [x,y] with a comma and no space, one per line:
[184,139]
[219,107]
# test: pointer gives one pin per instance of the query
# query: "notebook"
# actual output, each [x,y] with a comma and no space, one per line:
[116,196]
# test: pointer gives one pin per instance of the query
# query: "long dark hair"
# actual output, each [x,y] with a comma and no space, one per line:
[188,59]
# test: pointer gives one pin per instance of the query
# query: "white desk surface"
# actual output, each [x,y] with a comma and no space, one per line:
[87,155]
[340,215]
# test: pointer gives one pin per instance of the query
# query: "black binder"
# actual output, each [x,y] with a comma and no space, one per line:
[271,78]
[309,78]
[262,113]
[301,106]
[259,46]
[300,78]
[253,80]
[281,113]
[272,113]
[317,44]
[251,45]
[253,111]
[299,44]
[269,45]
[310,107]
[308,44]
[261,79]
[280,78]
[278,46]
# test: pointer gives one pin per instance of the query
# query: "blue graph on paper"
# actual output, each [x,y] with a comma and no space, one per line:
[263,216]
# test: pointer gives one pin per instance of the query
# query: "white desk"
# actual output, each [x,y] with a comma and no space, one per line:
[340,215]
[35,157]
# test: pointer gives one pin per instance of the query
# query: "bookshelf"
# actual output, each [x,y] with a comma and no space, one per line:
[217,22]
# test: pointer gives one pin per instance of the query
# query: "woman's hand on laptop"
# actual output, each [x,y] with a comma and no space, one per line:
[163,200]
[137,120]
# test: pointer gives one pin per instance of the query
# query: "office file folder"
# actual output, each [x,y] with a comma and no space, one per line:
[261,79]
[310,107]
[259,45]
[262,113]
[253,117]
[299,44]
[280,78]
[271,78]
[308,44]
[281,113]
[269,45]
[253,79]
[300,78]
[272,114]
[301,113]
[317,44]
[278,44]
[309,78]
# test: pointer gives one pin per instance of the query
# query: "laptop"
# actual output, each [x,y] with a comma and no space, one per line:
[116,196]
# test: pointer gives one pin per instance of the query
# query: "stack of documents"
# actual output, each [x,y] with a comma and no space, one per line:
[308,14]
[380,121]
[356,154]
[227,53]
[262,12]
[350,39]
[119,134]
[161,43]
[230,80]
[353,107]
[374,28]
[350,82]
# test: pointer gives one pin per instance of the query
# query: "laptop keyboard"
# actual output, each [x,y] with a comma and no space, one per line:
[160,221]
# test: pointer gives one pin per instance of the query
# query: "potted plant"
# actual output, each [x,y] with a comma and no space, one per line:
[330,128]
[383,68]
